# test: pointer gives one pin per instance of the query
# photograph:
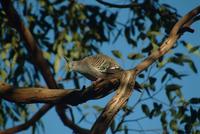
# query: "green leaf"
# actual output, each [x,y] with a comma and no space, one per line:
[147,49]
[164,77]
[194,100]
[157,108]
[188,127]
[173,125]
[46,55]
[181,111]
[178,59]
[172,72]
[194,49]
[142,36]
[128,37]
[173,112]
[7,63]
[181,58]
[173,88]
[191,48]
[145,109]
[135,56]
[187,45]
[193,115]
[57,64]
[60,50]
[152,80]
[98,108]
[192,66]
[185,119]
[155,33]
[163,120]
[68,38]
[141,75]
[117,54]
[3,74]
[155,46]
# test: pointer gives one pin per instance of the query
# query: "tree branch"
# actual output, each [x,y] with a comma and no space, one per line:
[96,91]
[30,122]
[112,108]
[57,96]
[122,94]
[131,5]
[32,95]
[36,56]
[185,21]
[67,122]
[124,91]
[30,43]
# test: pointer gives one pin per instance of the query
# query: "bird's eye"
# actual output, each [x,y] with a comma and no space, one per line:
[103,68]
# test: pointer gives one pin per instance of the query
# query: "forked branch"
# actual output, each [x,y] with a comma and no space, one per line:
[124,91]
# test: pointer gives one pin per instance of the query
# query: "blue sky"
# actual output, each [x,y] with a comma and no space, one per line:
[191,83]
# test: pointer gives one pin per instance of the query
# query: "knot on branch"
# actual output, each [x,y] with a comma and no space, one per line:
[5,88]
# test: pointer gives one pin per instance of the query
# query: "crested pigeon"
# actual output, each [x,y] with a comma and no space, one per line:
[97,67]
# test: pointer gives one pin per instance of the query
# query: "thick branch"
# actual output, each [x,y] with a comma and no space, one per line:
[72,97]
[34,95]
[30,43]
[69,96]
[124,91]
[115,104]
[186,21]
[36,56]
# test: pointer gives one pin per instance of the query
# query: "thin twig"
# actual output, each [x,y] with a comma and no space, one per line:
[131,5]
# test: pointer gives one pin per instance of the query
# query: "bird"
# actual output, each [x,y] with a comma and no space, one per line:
[96,67]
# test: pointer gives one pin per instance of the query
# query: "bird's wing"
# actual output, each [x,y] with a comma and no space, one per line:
[103,63]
